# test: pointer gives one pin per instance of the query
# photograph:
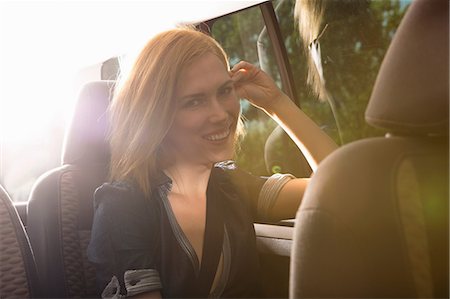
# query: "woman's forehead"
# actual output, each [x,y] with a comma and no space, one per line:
[204,74]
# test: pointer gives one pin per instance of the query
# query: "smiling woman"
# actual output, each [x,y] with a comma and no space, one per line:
[174,123]
[43,47]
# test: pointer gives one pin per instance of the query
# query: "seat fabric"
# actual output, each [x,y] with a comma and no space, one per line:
[18,277]
[60,209]
[374,223]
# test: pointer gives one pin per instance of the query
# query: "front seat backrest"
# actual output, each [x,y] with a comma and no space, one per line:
[283,156]
[374,220]
[60,209]
[18,277]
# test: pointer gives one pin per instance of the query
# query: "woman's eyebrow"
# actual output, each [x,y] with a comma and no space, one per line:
[194,95]
[225,84]
[201,94]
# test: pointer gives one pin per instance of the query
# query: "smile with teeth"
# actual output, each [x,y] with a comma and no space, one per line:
[218,137]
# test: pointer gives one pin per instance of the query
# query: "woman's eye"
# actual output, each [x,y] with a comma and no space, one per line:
[193,103]
[226,90]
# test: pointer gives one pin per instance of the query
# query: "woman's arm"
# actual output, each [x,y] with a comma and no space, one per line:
[288,200]
[114,219]
[309,138]
[256,86]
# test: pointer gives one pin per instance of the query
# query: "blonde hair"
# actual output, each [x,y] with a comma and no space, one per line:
[143,106]
[309,15]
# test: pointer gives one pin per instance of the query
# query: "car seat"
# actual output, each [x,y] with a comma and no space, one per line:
[283,156]
[18,276]
[60,209]
[374,218]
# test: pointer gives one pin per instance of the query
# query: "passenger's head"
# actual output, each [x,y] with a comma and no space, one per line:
[309,15]
[177,104]
[314,17]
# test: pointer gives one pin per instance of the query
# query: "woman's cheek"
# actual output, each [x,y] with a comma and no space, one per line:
[188,123]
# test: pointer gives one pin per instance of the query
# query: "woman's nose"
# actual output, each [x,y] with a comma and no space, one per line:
[218,111]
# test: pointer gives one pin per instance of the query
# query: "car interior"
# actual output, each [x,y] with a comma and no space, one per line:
[372,224]
[384,233]
[18,268]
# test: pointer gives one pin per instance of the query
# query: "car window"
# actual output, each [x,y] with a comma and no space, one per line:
[243,37]
[353,45]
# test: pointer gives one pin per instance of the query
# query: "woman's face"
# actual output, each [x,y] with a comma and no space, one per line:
[207,112]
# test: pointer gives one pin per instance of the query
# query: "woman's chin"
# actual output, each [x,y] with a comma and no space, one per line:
[203,154]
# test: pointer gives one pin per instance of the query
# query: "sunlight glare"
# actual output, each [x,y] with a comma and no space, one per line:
[44,44]
[49,50]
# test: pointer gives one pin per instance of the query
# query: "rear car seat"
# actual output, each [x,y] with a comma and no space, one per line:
[18,277]
[60,208]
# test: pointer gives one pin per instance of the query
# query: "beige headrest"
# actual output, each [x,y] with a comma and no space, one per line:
[411,93]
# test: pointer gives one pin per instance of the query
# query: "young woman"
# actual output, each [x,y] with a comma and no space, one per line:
[173,222]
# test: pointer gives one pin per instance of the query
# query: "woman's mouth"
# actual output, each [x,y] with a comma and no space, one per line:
[218,136]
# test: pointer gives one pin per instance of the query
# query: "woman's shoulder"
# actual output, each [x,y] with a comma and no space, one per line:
[226,166]
[241,180]
[123,216]
[117,193]
[226,171]
[230,170]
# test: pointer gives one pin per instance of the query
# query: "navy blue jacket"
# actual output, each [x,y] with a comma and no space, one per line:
[138,241]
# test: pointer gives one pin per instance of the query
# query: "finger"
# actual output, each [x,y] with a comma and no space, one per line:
[238,75]
[242,65]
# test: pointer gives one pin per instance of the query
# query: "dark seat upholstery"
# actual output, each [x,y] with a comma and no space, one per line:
[60,209]
[374,219]
[18,277]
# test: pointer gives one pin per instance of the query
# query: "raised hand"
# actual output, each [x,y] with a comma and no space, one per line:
[255,85]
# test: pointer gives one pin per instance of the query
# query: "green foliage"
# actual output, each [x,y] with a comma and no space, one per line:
[353,46]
